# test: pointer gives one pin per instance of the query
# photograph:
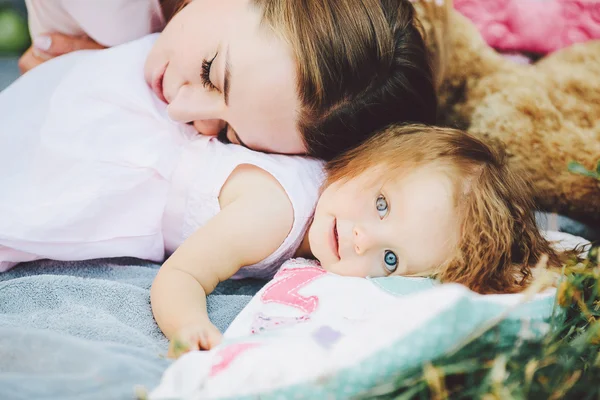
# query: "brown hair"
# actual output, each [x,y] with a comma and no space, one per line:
[362,65]
[499,240]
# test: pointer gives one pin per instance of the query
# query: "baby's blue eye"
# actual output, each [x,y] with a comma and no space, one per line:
[382,206]
[391,261]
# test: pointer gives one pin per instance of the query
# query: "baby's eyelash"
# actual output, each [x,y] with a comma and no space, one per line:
[205,75]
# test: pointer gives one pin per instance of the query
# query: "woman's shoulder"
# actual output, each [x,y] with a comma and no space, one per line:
[90,69]
[111,77]
[130,55]
[87,92]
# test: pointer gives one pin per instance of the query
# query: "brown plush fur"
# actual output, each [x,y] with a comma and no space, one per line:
[546,114]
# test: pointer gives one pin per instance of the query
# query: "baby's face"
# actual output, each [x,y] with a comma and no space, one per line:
[366,227]
[218,68]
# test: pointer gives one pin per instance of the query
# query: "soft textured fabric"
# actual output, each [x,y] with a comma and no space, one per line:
[310,334]
[84,330]
[91,167]
[539,26]
[108,22]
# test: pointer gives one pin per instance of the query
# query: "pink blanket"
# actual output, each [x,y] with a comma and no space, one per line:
[538,26]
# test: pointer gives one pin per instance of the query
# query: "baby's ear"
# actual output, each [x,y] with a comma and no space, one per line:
[434,16]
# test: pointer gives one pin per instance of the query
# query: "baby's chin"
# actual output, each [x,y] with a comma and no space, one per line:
[327,266]
[335,268]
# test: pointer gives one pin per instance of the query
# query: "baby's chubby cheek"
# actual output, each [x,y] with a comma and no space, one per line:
[356,268]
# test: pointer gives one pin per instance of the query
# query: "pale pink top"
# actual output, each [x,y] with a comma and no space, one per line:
[108,22]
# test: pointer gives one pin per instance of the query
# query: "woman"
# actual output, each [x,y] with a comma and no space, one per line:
[337,73]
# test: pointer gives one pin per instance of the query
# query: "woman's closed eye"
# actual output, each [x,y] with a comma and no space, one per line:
[205,75]
[382,207]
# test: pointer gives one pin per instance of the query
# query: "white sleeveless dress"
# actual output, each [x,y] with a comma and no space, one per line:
[92,167]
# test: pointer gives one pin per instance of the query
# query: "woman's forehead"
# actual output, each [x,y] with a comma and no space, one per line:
[263,92]
[260,59]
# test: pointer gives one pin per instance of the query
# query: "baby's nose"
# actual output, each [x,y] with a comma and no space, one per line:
[362,240]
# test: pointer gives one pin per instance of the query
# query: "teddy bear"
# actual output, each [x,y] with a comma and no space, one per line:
[545,115]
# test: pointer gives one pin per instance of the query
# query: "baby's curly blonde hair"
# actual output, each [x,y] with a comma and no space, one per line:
[499,242]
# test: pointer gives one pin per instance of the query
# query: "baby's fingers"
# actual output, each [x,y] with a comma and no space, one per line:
[209,338]
[180,346]
[195,338]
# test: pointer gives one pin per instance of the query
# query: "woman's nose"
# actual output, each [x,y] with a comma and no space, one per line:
[362,240]
[192,104]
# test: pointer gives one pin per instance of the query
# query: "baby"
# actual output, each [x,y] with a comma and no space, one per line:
[411,201]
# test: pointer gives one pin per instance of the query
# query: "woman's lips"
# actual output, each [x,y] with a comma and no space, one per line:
[334,239]
[157,83]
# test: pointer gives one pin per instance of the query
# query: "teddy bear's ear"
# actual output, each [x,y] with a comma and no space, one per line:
[434,17]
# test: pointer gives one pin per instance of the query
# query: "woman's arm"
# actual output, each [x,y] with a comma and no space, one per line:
[255,218]
[60,27]
[53,45]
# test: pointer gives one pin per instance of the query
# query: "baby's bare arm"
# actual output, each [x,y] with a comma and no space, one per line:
[256,217]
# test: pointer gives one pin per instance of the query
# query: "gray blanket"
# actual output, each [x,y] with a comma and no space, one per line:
[85,330]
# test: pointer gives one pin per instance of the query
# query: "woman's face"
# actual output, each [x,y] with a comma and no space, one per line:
[217,67]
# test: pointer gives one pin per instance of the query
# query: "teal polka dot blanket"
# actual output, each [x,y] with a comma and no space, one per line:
[310,334]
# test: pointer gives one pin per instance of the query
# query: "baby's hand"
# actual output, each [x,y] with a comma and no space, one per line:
[195,337]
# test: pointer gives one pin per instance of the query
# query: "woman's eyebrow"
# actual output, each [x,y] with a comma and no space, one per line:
[227,78]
